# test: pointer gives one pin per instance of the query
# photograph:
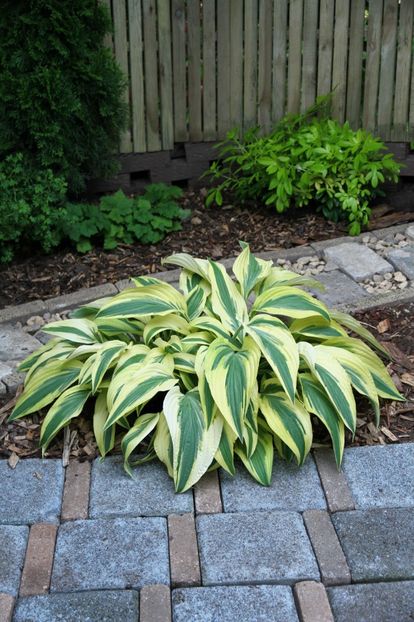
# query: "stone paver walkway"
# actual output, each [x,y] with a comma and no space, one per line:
[88,544]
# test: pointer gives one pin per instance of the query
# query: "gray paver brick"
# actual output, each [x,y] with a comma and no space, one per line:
[378,602]
[403,260]
[292,488]
[32,492]
[150,493]
[15,344]
[261,603]
[254,547]
[110,554]
[377,543]
[381,476]
[105,606]
[339,288]
[22,312]
[357,260]
[13,542]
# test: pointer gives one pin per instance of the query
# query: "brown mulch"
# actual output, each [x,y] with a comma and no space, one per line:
[393,326]
[212,232]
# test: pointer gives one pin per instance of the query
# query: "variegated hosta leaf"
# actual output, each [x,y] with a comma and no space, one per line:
[280,276]
[249,270]
[226,301]
[191,343]
[170,322]
[60,351]
[75,331]
[207,402]
[45,386]
[260,463]
[225,451]
[290,422]
[142,386]
[278,347]
[316,328]
[67,406]
[194,443]
[119,327]
[352,324]
[317,402]
[231,374]
[210,324]
[251,425]
[163,445]
[140,302]
[133,354]
[189,263]
[143,426]
[382,380]
[142,281]
[289,302]
[184,362]
[100,362]
[105,439]
[31,360]
[196,300]
[334,380]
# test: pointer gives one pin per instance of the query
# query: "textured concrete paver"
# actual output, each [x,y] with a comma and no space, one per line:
[22,312]
[378,544]
[155,604]
[15,344]
[111,554]
[403,260]
[378,602]
[261,603]
[32,492]
[292,488]
[254,547]
[312,602]
[13,541]
[338,286]
[357,260]
[381,476]
[150,493]
[105,606]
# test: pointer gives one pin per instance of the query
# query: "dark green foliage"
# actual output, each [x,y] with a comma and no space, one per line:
[120,219]
[31,206]
[60,88]
[307,159]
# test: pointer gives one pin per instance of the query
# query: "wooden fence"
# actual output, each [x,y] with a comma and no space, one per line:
[197,68]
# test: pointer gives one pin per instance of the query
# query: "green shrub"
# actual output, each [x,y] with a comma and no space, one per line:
[119,219]
[306,159]
[202,375]
[60,88]
[31,206]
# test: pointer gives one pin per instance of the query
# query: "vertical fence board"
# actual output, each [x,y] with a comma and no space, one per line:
[165,72]
[236,62]
[355,59]
[265,65]
[137,75]
[250,64]
[387,71]
[411,116]
[194,70]
[121,55]
[294,55]
[325,48]
[179,70]
[209,70]
[223,68]
[372,64]
[108,40]
[310,27]
[151,75]
[340,58]
[280,13]
[402,82]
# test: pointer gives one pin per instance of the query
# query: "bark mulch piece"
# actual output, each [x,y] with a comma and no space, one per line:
[20,439]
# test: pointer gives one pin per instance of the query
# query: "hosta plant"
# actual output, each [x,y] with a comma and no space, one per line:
[223,368]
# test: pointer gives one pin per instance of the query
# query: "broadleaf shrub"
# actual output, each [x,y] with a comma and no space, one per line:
[60,88]
[306,159]
[119,219]
[222,368]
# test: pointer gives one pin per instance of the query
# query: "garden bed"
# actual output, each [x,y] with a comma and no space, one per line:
[210,232]
[393,326]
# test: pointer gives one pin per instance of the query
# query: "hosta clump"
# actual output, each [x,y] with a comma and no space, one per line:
[240,367]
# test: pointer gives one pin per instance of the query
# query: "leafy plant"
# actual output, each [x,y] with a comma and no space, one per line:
[307,158]
[222,369]
[121,219]
[61,90]
[31,205]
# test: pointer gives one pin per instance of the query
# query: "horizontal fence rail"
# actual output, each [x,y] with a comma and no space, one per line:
[198,68]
